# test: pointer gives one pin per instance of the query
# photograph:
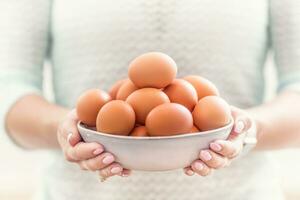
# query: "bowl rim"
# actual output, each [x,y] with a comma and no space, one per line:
[80,125]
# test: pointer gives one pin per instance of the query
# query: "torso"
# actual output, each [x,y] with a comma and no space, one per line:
[224,41]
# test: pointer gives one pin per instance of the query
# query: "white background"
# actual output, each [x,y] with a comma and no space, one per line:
[20,170]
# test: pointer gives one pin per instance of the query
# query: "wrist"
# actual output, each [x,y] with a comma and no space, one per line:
[54,115]
[57,117]
[259,124]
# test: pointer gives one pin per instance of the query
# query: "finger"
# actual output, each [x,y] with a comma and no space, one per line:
[126,173]
[235,112]
[201,168]
[69,129]
[73,136]
[111,170]
[242,124]
[212,159]
[73,115]
[188,171]
[84,151]
[99,162]
[226,148]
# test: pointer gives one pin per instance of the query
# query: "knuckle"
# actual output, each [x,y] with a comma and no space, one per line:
[105,173]
[82,166]
[228,149]
[218,165]
[93,165]
[229,152]
[206,172]
[235,151]
[68,157]
[233,155]
[64,132]
[97,163]
[77,153]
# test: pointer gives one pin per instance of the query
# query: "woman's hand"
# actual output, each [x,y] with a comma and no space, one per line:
[89,156]
[222,152]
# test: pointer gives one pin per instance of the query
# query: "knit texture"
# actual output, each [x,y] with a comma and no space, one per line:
[91,43]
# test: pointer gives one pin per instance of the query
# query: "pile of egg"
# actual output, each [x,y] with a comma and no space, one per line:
[152,102]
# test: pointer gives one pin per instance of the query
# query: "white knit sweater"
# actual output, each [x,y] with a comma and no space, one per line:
[90,43]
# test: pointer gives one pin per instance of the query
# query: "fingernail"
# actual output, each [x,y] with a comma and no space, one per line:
[239,127]
[69,137]
[125,175]
[108,159]
[199,166]
[190,172]
[98,151]
[116,170]
[205,155]
[215,146]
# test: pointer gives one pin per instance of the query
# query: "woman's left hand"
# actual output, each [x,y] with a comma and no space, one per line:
[222,152]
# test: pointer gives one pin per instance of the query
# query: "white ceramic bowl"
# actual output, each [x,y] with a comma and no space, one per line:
[155,153]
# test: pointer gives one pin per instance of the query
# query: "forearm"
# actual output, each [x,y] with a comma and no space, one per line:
[32,122]
[278,122]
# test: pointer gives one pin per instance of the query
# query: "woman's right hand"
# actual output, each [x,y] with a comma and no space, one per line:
[89,156]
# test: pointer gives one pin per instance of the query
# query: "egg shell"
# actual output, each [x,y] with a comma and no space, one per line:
[116,117]
[182,92]
[125,90]
[89,104]
[113,91]
[169,119]
[144,100]
[152,69]
[211,112]
[139,131]
[194,130]
[203,86]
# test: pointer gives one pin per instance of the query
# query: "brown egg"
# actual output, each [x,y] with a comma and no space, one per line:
[125,90]
[89,104]
[144,100]
[152,69]
[139,131]
[194,130]
[116,117]
[182,92]
[115,88]
[203,86]
[211,112]
[169,119]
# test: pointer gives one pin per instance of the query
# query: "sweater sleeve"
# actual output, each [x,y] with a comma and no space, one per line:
[23,45]
[285,36]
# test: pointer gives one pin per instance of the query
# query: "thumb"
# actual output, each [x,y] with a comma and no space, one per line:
[73,136]
[241,124]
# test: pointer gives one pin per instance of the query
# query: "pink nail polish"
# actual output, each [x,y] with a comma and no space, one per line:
[98,151]
[190,172]
[108,159]
[199,166]
[116,170]
[239,127]
[69,138]
[125,175]
[205,155]
[215,146]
